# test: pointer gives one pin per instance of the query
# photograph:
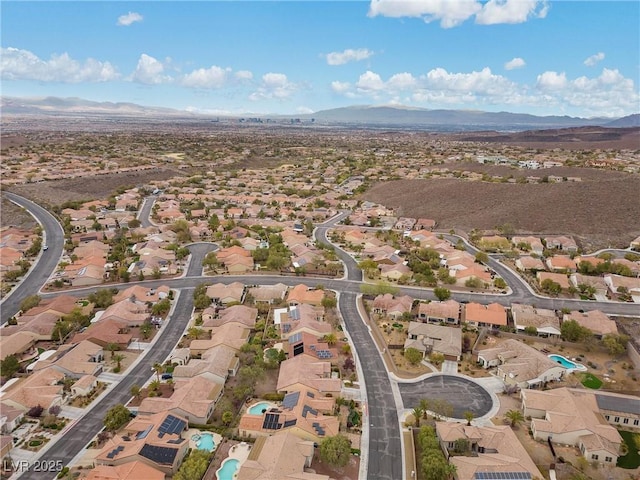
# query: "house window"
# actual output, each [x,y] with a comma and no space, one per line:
[625,420]
[608,459]
[608,417]
[617,419]
[636,422]
[594,457]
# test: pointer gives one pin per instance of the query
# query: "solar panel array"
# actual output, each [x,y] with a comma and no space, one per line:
[171,425]
[307,409]
[290,423]
[319,430]
[271,421]
[324,354]
[144,433]
[502,476]
[160,455]
[618,404]
[311,394]
[115,451]
[290,400]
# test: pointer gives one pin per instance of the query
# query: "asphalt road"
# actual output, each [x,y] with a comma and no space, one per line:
[83,431]
[352,271]
[144,214]
[43,267]
[385,448]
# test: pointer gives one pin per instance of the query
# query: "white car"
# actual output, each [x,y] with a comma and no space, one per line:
[45,248]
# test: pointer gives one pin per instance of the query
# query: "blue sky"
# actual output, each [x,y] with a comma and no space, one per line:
[579,58]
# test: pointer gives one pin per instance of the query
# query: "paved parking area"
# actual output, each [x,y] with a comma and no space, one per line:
[462,393]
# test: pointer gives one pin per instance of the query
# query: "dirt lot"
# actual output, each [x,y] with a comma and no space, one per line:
[598,211]
[12,214]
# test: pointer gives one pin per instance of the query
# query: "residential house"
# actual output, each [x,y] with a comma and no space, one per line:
[279,456]
[222,294]
[303,371]
[192,399]
[268,293]
[76,360]
[10,418]
[528,263]
[572,417]
[303,343]
[394,272]
[546,322]
[107,331]
[519,364]
[439,312]
[424,224]
[393,307]
[560,278]
[40,388]
[428,338]
[477,315]
[84,385]
[133,313]
[242,314]
[618,283]
[533,244]
[302,413]
[489,452]
[598,284]
[619,410]
[231,334]
[128,471]
[561,263]
[301,318]
[303,294]
[155,440]
[561,242]
[595,320]
[216,364]
[21,344]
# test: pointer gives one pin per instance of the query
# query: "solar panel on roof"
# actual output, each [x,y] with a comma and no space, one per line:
[307,409]
[618,404]
[160,455]
[271,421]
[290,400]
[290,423]
[172,425]
[310,394]
[502,476]
[144,433]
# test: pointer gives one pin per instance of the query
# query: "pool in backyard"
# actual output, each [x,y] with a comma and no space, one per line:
[259,407]
[568,364]
[204,441]
[228,468]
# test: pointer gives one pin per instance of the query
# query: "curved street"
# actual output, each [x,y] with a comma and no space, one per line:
[384,453]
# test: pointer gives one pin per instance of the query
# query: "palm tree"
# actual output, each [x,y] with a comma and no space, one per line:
[117,358]
[195,332]
[135,390]
[330,338]
[417,413]
[424,406]
[515,417]
[159,368]
[468,416]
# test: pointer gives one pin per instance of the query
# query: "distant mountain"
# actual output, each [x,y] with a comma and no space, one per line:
[625,122]
[58,106]
[469,119]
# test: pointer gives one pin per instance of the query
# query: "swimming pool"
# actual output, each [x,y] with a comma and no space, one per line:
[204,441]
[568,364]
[259,407]
[228,468]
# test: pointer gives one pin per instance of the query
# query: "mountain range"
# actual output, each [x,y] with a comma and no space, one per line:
[390,116]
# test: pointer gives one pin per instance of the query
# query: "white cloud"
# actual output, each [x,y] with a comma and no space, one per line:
[243,75]
[402,81]
[340,87]
[511,11]
[304,110]
[594,59]
[451,13]
[129,19]
[551,80]
[17,64]
[212,77]
[274,85]
[348,55]
[370,81]
[514,63]
[149,71]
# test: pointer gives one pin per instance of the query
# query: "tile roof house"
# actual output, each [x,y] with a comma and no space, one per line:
[572,417]
[519,364]
[268,293]
[561,263]
[303,343]
[231,334]
[561,242]
[242,314]
[134,313]
[615,282]
[303,294]
[40,388]
[193,399]
[155,440]
[302,413]
[428,338]
[546,322]
[559,278]
[304,371]
[301,318]
[393,307]
[279,456]
[534,243]
[493,451]
[477,315]
[594,320]
[223,294]
[526,262]
[76,360]
[135,470]
[439,312]
[21,344]
[216,364]
[106,331]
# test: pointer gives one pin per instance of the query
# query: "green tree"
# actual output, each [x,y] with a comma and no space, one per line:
[116,417]
[436,358]
[551,287]
[29,302]
[469,416]
[482,257]
[413,355]
[442,293]
[515,417]
[117,359]
[417,413]
[9,366]
[201,301]
[194,467]
[615,344]
[227,417]
[210,261]
[500,283]
[335,450]
[101,298]
[195,332]
[162,307]
[330,339]
[158,368]
[473,282]
[329,302]
[135,390]
[572,331]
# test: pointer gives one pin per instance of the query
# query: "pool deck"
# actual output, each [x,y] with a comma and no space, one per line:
[240,452]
